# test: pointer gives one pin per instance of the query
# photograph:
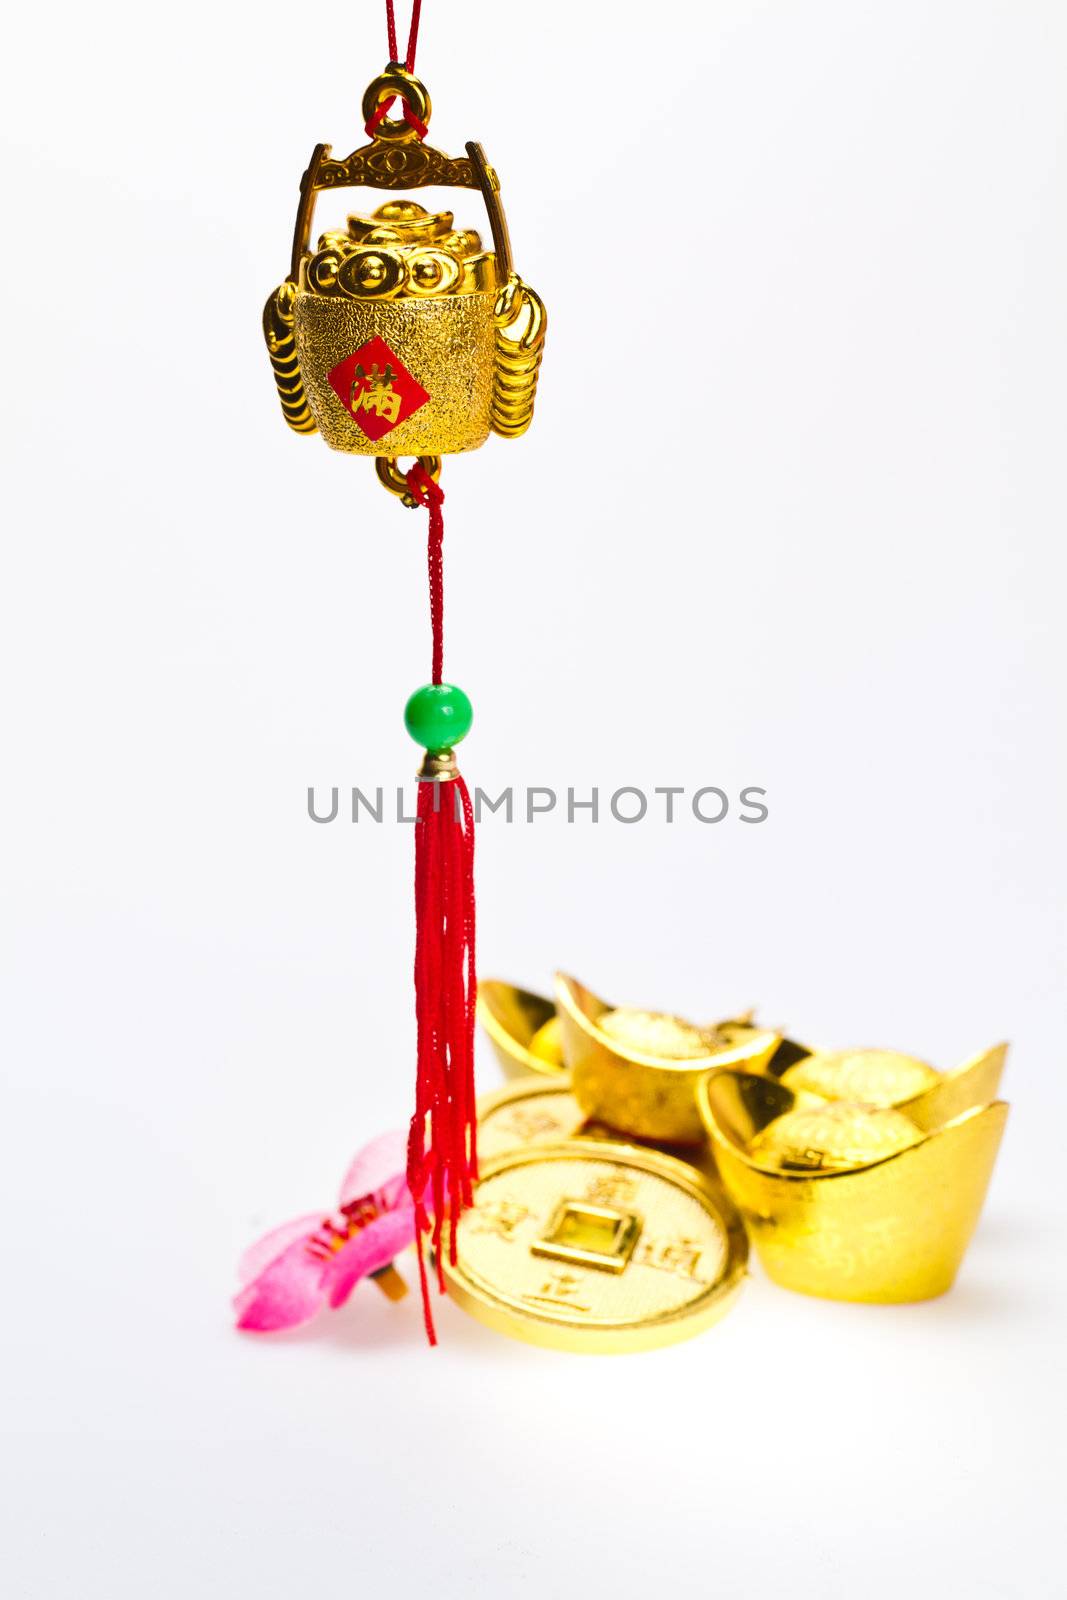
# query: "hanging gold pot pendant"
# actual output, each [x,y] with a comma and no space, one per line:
[400,335]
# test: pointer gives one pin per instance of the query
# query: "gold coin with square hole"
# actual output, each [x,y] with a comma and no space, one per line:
[532,1110]
[598,1246]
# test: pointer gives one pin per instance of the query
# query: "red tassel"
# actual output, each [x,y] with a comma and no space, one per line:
[442,1171]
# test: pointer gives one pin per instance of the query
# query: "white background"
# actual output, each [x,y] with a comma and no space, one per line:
[791,514]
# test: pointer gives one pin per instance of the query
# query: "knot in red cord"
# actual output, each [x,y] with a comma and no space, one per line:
[422,487]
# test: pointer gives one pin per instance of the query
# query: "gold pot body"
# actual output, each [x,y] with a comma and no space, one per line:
[447,343]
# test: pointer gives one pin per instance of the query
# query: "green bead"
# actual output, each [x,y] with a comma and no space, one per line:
[438,716]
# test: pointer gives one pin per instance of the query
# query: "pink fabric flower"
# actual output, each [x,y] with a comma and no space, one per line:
[289,1274]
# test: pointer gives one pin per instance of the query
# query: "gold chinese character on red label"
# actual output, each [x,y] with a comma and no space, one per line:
[376,389]
[378,396]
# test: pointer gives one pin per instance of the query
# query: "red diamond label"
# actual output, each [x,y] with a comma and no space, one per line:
[376,389]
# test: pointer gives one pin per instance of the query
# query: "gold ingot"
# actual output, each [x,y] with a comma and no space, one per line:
[596,1247]
[893,1229]
[447,338]
[638,1071]
[522,1027]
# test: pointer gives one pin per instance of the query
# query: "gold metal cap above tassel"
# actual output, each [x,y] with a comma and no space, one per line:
[438,766]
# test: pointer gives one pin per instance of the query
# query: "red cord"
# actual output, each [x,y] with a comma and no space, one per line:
[445,973]
[430,494]
[409,64]
[413,32]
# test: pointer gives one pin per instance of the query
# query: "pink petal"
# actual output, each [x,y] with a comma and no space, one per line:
[265,1250]
[373,1247]
[376,1165]
[289,1291]
[394,1192]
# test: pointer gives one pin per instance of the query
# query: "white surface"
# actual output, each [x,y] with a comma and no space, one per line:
[839,577]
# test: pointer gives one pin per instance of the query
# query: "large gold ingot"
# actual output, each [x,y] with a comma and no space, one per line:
[458,323]
[642,1077]
[893,1229]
